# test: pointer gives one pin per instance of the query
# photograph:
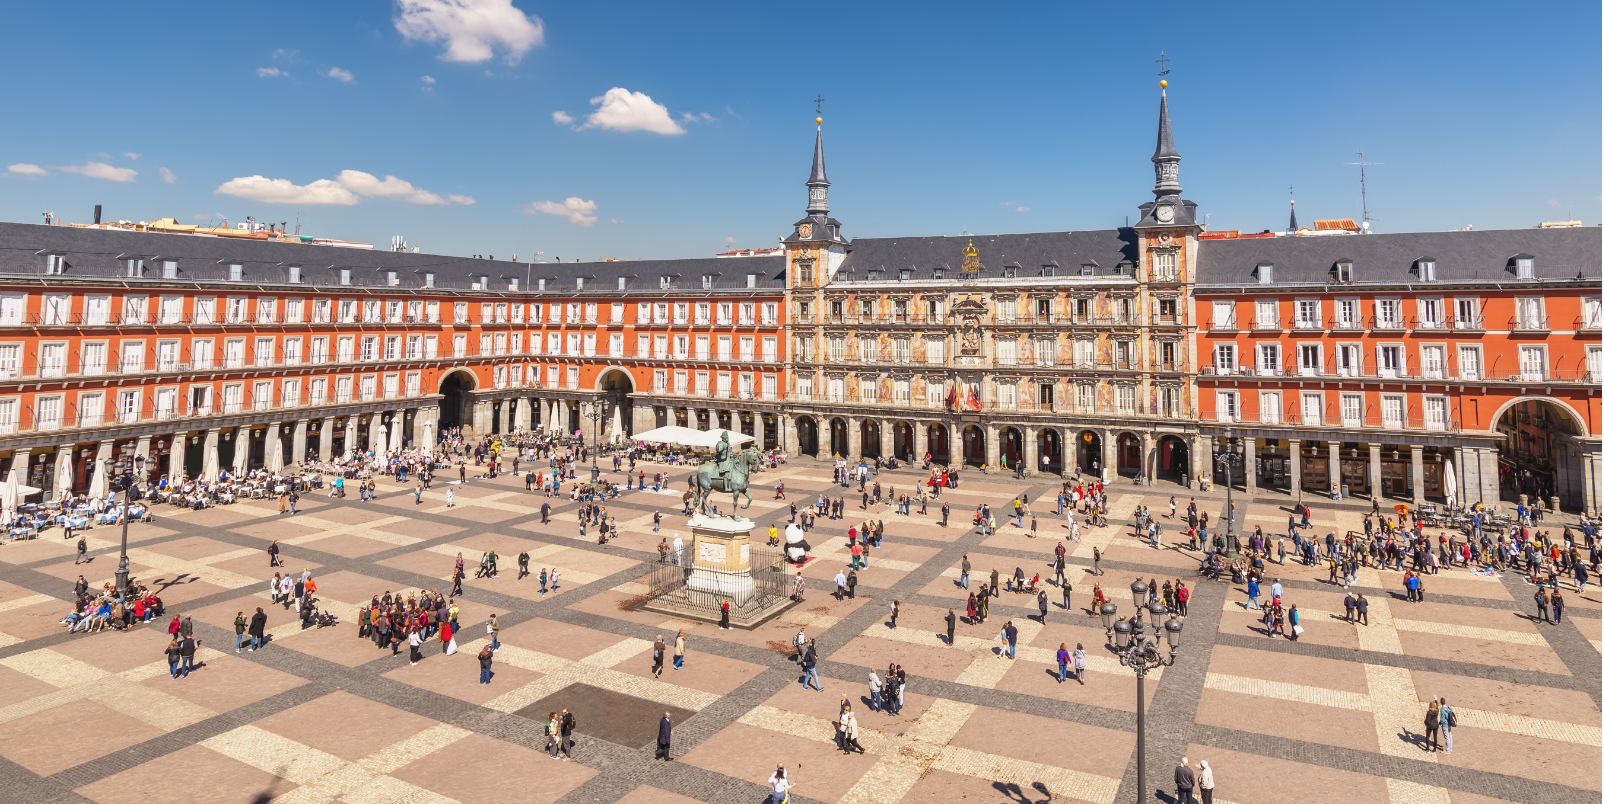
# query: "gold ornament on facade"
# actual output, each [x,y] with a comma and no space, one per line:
[971,263]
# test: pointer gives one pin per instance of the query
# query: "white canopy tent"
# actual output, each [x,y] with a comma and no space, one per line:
[674,434]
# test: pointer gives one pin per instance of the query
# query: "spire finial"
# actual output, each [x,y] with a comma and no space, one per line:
[1166,162]
[818,184]
[1292,203]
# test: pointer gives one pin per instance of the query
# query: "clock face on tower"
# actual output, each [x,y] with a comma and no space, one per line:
[805,230]
[1165,213]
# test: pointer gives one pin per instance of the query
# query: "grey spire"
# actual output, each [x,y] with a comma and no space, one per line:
[1293,226]
[1166,162]
[818,185]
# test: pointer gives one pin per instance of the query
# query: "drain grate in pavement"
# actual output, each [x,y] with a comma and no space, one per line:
[607,715]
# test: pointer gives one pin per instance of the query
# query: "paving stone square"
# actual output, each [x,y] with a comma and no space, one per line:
[323,714]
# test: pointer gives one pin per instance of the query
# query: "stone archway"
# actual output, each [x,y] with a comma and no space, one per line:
[902,442]
[456,404]
[1173,459]
[615,386]
[1130,454]
[1050,448]
[940,446]
[1089,453]
[869,439]
[838,438]
[1539,455]
[807,436]
[974,445]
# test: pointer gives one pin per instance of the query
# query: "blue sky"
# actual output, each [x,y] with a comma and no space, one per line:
[938,117]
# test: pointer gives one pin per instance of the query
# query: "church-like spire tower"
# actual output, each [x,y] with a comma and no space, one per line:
[1166,162]
[818,185]
[1293,225]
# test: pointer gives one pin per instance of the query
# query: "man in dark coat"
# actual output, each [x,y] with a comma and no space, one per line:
[1185,780]
[665,733]
[258,628]
[952,626]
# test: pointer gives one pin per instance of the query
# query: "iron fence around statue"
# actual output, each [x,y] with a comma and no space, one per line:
[668,584]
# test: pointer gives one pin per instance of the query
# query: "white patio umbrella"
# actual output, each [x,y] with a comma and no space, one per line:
[8,496]
[1450,481]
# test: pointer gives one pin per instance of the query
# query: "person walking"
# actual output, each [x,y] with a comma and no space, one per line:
[83,550]
[665,735]
[239,630]
[657,657]
[810,669]
[1011,634]
[963,573]
[485,655]
[565,734]
[1077,660]
[1362,606]
[1063,661]
[952,627]
[780,785]
[849,731]
[875,686]
[415,644]
[679,650]
[258,628]
[173,654]
[186,652]
[1041,604]
[494,629]
[1542,603]
[896,608]
[1558,603]
[553,735]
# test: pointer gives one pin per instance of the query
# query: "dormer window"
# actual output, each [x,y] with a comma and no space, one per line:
[55,264]
[512,283]
[484,282]
[1525,268]
[665,282]
[295,274]
[874,276]
[1345,272]
[905,274]
[751,280]
[391,278]
[1123,269]
[1010,272]
[579,283]
[621,281]
[345,276]
[937,274]
[707,281]
[1049,270]
[1266,273]
[1086,269]
[134,267]
[169,269]
[428,279]
[236,272]
[1427,269]
[540,284]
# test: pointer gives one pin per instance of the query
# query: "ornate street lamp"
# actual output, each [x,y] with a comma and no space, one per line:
[1228,458]
[595,411]
[127,471]
[1141,653]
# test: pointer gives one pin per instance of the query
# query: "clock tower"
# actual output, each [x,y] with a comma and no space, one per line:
[815,249]
[1168,209]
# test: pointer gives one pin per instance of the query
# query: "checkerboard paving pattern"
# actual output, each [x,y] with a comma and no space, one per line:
[1340,708]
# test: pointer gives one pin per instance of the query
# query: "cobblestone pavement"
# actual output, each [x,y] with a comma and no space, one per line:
[320,715]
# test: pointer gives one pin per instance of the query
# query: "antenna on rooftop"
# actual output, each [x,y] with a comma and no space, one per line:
[1364,204]
[297,223]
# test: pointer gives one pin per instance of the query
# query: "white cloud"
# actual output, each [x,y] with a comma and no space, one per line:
[269,72]
[130,154]
[101,170]
[622,110]
[167,175]
[472,30]
[616,221]
[283,191]
[1554,202]
[348,188]
[428,79]
[26,169]
[692,117]
[1022,209]
[369,185]
[729,241]
[343,76]
[562,118]
[577,211]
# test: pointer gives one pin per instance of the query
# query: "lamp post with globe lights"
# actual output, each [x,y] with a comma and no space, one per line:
[595,411]
[1141,653]
[1227,456]
[126,471]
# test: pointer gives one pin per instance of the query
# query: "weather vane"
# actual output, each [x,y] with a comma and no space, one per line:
[1162,62]
[818,105]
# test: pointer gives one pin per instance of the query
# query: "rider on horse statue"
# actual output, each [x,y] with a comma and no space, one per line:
[727,472]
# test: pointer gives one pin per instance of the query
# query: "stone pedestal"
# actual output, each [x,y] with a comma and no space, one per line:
[722,558]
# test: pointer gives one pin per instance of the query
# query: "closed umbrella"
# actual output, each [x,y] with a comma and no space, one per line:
[1450,482]
[8,496]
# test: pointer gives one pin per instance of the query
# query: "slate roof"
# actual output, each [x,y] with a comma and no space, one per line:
[1474,256]
[1105,248]
[95,252]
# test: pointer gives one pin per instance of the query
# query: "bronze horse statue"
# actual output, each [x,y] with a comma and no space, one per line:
[708,480]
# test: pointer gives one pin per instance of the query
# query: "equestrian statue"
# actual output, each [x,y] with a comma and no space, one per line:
[729,472]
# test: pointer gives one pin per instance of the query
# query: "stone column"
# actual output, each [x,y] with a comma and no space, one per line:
[888,436]
[273,455]
[1148,472]
[428,429]
[1590,478]
[1295,447]
[993,448]
[210,461]
[1334,471]
[1417,470]
[1202,460]
[325,439]
[1032,456]
[142,450]
[1250,456]
[1110,455]
[921,441]
[376,439]
[757,428]
[242,450]
[298,440]
[350,434]
[1375,473]
[854,437]
[506,416]
[526,419]
[1489,476]
[787,432]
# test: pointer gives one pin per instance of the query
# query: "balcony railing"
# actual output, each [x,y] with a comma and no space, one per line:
[1526,323]
[1223,324]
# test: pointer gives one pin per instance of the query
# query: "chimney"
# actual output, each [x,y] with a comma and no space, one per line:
[97,213]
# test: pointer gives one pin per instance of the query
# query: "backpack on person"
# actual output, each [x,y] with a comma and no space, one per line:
[1449,719]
